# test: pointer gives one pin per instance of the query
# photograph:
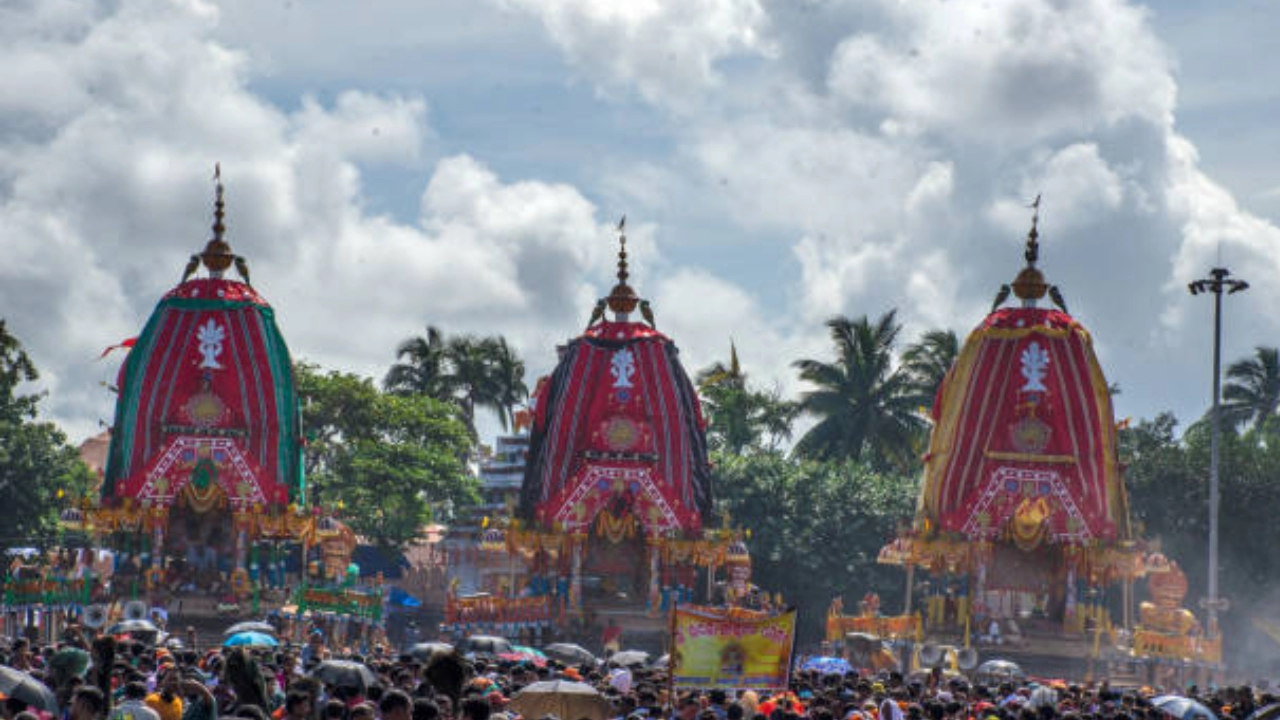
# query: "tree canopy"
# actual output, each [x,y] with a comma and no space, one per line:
[465,370]
[862,403]
[816,527]
[37,466]
[391,462]
[740,417]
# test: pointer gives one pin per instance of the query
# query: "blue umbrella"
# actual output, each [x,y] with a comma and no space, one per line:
[827,665]
[403,599]
[1182,708]
[251,639]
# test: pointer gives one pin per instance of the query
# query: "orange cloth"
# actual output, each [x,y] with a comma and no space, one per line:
[171,710]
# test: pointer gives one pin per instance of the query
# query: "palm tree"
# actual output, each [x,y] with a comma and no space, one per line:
[741,418]
[927,362]
[424,368]
[862,403]
[508,375]
[1251,394]
[466,371]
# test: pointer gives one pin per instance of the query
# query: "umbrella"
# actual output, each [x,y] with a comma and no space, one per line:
[487,644]
[25,688]
[403,599]
[1182,708]
[570,654]
[629,658]
[827,665]
[427,650]
[251,626]
[520,653]
[999,670]
[70,661]
[344,673]
[1269,712]
[561,698]
[124,627]
[250,639]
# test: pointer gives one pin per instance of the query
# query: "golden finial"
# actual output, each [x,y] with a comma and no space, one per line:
[1030,286]
[622,250]
[622,299]
[1032,253]
[217,255]
[219,206]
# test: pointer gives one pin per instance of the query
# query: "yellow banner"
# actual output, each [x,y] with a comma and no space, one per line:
[722,649]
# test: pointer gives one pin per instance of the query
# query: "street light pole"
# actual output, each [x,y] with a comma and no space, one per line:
[1219,280]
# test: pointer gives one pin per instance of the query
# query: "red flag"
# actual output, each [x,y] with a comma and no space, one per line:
[127,344]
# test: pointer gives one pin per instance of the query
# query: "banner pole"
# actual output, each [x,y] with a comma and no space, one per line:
[671,661]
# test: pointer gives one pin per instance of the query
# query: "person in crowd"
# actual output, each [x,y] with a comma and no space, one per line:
[133,704]
[88,703]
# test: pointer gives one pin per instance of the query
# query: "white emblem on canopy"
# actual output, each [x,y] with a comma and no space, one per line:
[624,366]
[210,335]
[1035,365]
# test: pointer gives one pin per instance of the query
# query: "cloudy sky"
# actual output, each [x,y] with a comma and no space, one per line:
[397,163]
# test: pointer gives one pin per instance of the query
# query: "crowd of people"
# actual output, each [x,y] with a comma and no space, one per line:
[122,679]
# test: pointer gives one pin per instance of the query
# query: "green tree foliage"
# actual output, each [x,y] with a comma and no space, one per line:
[817,527]
[740,418]
[863,405]
[466,370]
[1251,393]
[36,462]
[1168,481]
[387,459]
[926,362]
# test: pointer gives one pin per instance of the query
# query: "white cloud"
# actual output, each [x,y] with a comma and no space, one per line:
[667,50]
[796,159]
[102,206]
[1007,72]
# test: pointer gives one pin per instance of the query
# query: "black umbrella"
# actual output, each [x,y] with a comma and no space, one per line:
[426,650]
[570,654]
[25,688]
[344,673]
[486,645]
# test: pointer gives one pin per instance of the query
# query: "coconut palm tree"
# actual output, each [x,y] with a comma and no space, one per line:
[508,375]
[1251,394]
[465,370]
[861,402]
[926,363]
[739,417]
[423,368]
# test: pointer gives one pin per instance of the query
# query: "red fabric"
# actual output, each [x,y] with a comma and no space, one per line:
[216,289]
[618,427]
[183,406]
[1002,443]
[128,343]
